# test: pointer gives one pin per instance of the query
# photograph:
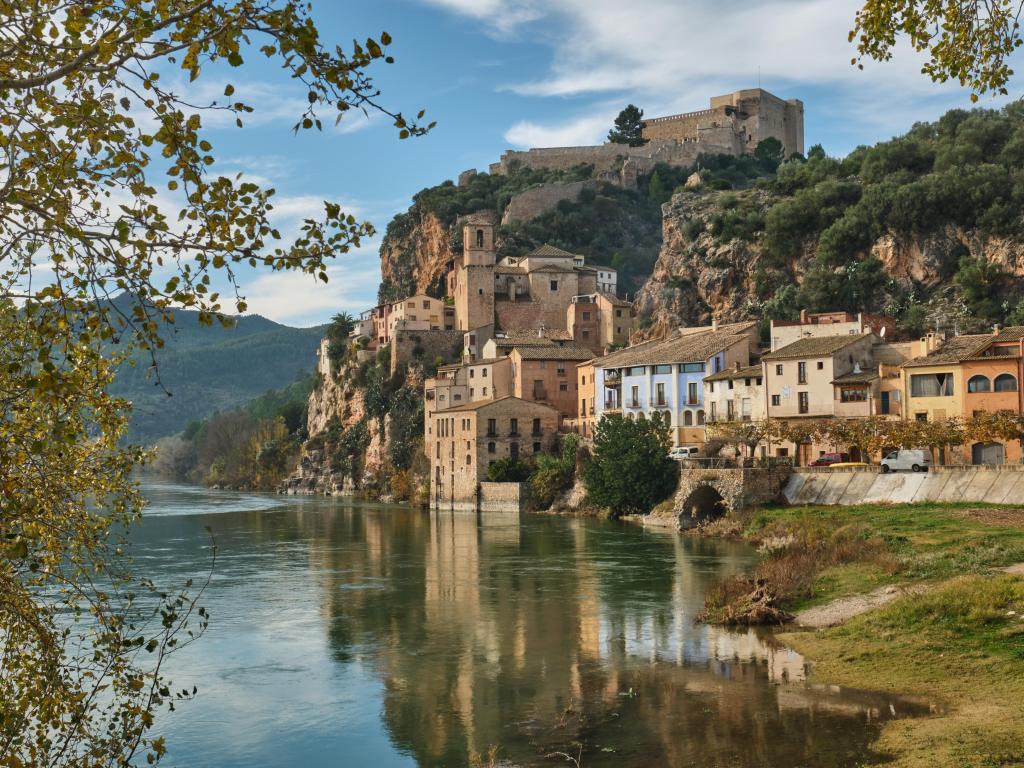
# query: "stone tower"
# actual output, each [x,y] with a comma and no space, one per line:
[474,277]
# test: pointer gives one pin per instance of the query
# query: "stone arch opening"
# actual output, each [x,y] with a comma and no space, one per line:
[704,503]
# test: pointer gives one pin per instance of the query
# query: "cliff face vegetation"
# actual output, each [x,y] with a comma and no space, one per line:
[926,227]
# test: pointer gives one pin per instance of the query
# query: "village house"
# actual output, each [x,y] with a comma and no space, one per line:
[599,321]
[813,325]
[735,394]
[469,438]
[964,377]
[545,374]
[586,416]
[667,377]
[420,313]
[799,380]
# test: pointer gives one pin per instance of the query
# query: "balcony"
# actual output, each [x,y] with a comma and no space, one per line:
[514,433]
[660,402]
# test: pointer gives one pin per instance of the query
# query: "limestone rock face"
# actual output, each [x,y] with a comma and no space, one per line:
[414,255]
[699,277]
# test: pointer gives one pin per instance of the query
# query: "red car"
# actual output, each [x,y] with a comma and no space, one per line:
[828,459]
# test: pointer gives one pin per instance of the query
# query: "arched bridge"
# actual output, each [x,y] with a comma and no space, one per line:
[707,494]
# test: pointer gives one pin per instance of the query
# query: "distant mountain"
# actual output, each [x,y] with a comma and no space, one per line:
[209,369]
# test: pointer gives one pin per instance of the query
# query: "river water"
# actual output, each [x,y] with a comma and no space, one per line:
[350,634]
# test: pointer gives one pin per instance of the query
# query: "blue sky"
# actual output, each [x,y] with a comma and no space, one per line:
[496,74]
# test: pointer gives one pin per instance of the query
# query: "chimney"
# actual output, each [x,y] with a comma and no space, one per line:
[714,325]
[995,329]
[736,366]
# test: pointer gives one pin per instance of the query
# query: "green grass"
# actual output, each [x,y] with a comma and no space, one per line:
[957,645]
[921,542]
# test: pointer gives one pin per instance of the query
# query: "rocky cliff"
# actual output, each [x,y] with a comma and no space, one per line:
[414,255]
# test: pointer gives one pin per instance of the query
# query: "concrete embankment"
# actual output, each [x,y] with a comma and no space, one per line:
[1002,484]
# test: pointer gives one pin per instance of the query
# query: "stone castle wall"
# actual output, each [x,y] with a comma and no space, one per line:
[530,204]
[407,346]
[610,158]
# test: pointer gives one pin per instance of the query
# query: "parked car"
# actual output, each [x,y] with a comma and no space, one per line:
[914,459]
[828,459]
[683,452]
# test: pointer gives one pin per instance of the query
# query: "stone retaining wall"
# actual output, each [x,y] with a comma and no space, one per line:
[992,484]
[407,346]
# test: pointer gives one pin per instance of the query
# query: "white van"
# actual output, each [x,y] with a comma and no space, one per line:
[914,459]
[683,452]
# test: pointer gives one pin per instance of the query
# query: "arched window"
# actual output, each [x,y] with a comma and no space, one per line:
[700,418]
[979,384]
[641,417]
[687,418]
[479,238]
[1006,382]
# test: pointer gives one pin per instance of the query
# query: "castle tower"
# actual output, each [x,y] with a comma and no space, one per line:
[474,277]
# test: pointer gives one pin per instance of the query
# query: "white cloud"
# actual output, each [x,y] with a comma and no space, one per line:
[296,298]
[669,56]
[590,129]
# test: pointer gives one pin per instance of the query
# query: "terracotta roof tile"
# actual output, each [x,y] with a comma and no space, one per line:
[549,251]
[688,348]
[482,404]
[568,352]
[815,346]
[749,371]
[953,351]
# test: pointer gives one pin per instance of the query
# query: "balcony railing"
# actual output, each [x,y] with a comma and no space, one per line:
[513,433]
[660,401]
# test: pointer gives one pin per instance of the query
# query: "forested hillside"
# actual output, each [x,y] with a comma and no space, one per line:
[927,227]
[210,368]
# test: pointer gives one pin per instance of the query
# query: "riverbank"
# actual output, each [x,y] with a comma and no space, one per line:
[942,617]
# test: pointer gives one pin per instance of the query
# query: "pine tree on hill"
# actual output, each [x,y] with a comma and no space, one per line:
[629,127]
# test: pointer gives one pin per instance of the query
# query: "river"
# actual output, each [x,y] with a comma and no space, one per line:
[352,634]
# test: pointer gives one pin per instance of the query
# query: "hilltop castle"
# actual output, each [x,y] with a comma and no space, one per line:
[733,124]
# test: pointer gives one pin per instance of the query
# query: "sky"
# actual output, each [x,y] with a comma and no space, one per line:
[499,74]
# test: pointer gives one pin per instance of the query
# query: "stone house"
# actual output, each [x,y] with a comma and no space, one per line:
[586,417]
[420,313]
[599,321]
[548,375]
[470,437]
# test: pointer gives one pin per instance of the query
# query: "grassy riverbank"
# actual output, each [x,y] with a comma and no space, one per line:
[957,639]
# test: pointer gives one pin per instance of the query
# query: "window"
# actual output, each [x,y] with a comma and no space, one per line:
[745,409]
[1006,382]
[484,391]
[711,387]
[561,369]
[821,365]
[635,399]
[691,393]
[659,392]
[718,365]
[730,410]
[492,447]
[979,384]
[586,316]
[586,333]
[554,285]
[805,404]
[426,305]
[931,385]
[468,460]
[776,400]
[583,406]
[663,369]
[801,373]
[700,418]
[853,394]
[479,238]
[714,411]
[757,381]
[921,417]
[746,382]
[483,372]
[472,373]
[618,313]
[778,370]
[492,428]
[536,447]
[536,426]
[563,386]
[731,385]
[636,371]
[687,418]
[513,450]
[692,368]
[513,427]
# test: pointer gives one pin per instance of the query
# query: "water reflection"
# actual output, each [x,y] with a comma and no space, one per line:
[348,634]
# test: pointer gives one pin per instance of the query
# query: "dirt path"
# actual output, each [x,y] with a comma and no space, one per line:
[1015,570]
[844,608]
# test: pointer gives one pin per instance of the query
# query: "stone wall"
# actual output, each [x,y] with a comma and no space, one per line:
[530,204]
[706,493]
[407,346]
[992,484]
[610,158]
[502,497]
